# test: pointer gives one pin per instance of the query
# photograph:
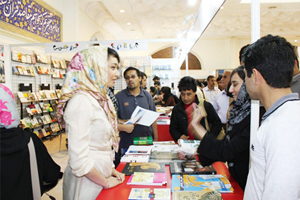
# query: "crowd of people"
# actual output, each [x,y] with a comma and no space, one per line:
[217,112]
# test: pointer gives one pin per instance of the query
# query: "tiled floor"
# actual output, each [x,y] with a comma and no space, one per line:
[61,158]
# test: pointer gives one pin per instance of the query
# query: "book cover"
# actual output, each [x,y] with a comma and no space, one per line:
[135,158]
[196,182]
[142,140]
[20,69]
[15,70]
[147,194]
[147,178]
[40,121]
[32,109]
[164,155]
[130,168]
[139,150]
[191,167]
[163,142]
[205,194]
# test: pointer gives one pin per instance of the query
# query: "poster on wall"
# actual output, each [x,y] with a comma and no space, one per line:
[2,72]
[31,18]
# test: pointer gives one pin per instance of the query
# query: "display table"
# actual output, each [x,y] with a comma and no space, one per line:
[163,130]
[122,191]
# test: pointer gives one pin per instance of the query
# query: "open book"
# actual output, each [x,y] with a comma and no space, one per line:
[142,116]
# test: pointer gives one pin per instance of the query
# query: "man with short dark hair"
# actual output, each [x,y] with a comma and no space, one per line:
[211,91]
[275,149]
[156,78]
[182,112]
[144,80]
[158,87]
[128,100]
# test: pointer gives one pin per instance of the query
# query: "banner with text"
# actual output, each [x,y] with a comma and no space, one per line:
[65,47]
[31,17]
[126,45]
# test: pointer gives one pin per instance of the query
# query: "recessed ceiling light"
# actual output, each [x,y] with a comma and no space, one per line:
[121,11]
[296,40]
[128,23]
[222,7]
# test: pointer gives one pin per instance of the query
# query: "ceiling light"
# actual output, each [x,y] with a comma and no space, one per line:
[121,11]
[128,23]
[296,40]
[222,7]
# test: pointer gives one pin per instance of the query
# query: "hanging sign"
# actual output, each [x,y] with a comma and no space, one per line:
[65,47]
[129,45]
[29,18]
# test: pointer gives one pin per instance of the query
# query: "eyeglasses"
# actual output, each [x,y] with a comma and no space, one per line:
[128,77]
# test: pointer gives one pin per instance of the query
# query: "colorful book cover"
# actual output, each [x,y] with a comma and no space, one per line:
[139,150]
[130,168]
[147,194]
[147,178]
[142,140]
[197,182]
[194,167]
[197,195]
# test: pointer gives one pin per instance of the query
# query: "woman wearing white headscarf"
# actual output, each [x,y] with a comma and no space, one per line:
[15,163]
[90,120]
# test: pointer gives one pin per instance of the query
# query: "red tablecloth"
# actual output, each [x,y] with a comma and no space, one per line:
[122,191]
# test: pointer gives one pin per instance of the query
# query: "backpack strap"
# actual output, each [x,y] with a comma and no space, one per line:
[35,183]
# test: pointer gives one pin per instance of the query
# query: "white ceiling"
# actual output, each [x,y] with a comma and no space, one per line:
[152,19]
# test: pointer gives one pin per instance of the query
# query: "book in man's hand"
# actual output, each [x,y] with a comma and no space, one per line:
[130,168]
[147,178]
[191,167]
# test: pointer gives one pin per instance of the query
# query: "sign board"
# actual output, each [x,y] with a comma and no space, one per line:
[31,18]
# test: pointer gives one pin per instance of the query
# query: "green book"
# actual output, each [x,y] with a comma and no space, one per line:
[143,140]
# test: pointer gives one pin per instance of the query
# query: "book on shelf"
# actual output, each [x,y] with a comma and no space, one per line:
[25,97]
[20,69]
[41,95]
[15,70]
[34,122]
[58,93]
[48,130]
[130,168]
[147,194]
[147,178]
[48,118]
[143,140]
[191,167]
[38,109]
[139,150]
[197,182]
[26,122]
[46,107]
[42,133]
[135,158]
[29,111]
[40,121]
[56,64]
[44,120]
[50,94]
[197,195]
[54,127]
[53,116]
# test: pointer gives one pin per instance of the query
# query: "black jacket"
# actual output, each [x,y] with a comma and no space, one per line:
[234,149]
[179,120]
[15,164]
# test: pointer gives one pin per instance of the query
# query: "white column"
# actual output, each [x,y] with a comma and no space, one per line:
[255,35]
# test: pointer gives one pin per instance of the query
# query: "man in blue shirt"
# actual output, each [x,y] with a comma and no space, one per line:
[129,99]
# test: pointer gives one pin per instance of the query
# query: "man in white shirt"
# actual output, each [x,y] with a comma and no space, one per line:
[275,149]
[221,103]
[211,91]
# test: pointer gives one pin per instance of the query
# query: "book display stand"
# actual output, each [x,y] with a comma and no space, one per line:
[41,110]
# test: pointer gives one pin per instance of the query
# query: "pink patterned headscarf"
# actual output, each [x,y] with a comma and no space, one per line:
[88,72]
[9,116]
